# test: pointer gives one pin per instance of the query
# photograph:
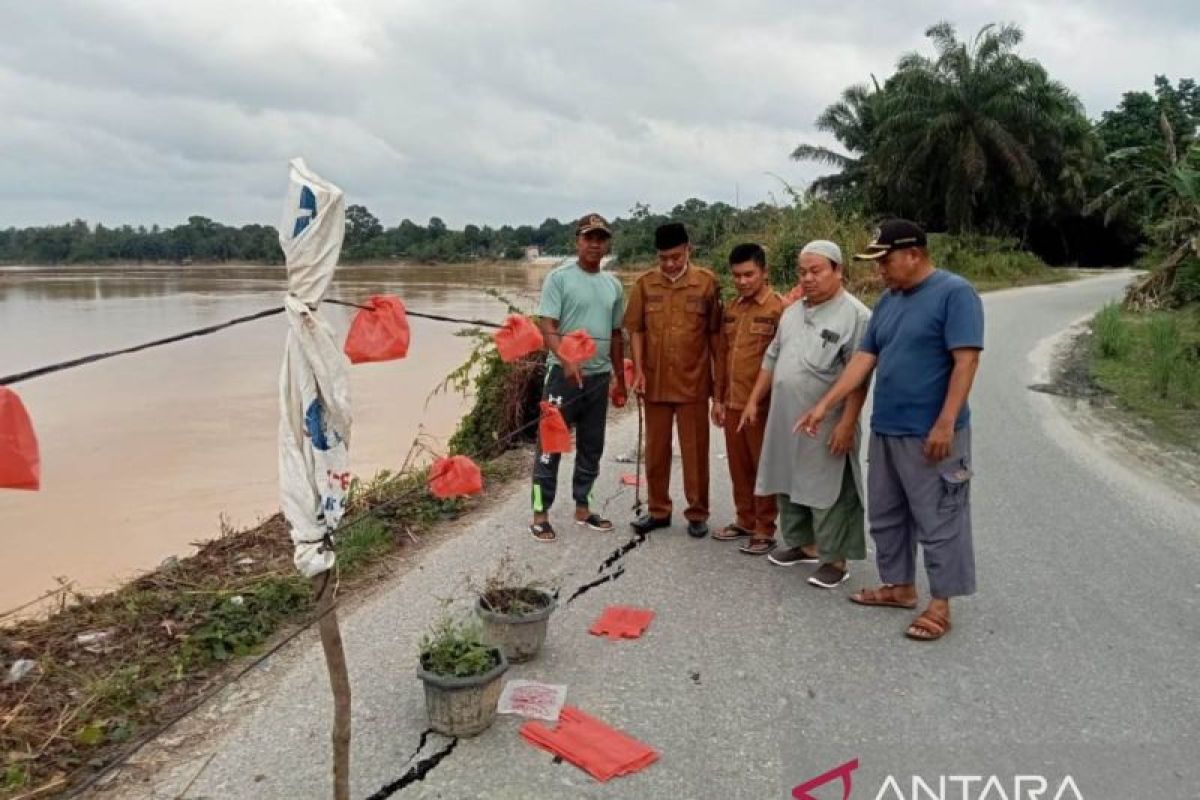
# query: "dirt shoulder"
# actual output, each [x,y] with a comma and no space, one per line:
[1095,411]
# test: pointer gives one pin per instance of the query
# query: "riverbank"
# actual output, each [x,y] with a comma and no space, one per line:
[154,648]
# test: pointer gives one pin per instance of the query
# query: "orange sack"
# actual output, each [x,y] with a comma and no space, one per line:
[577,347]
[553,434]
[378,333]
[20,465]
[519,337]
[454,477]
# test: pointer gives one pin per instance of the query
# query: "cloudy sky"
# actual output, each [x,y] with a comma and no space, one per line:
[509,111]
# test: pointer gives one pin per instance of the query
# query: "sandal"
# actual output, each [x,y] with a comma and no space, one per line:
[757,546]
[885,595]
[595,522]
[928,627]
[543,532]
[730,532]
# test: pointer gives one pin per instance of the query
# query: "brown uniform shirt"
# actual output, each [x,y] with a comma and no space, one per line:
[747,329]
[677,320]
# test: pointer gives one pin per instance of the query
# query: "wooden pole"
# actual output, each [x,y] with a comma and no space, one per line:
[339,681]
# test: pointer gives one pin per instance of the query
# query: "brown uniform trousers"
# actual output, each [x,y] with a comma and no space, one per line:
[681,325]
[747,328]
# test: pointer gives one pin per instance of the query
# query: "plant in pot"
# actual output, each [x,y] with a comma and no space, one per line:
[514,609]
[461,673]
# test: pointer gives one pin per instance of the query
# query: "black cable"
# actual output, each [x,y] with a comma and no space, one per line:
[8,380]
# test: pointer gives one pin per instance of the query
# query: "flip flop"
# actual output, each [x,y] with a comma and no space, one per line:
[757,546]
[884,595]
[729,533]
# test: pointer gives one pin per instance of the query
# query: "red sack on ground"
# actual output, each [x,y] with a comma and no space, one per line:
[553,434]
[20,465]
[577,347]
[622,622]
[591,745]
[519,337]
[378,333]
[454,476]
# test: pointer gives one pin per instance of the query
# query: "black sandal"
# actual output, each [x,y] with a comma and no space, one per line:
[595,522]
[543,532]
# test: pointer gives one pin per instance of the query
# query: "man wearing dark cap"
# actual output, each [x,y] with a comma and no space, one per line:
[923,344]
[674,319]
[580,296]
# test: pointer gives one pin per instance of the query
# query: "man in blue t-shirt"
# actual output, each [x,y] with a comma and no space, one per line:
[923,345]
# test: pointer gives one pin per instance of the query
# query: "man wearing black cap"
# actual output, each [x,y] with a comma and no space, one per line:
[923,344]
[580,296]
[674,319]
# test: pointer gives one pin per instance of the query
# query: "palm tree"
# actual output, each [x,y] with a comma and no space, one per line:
[1166,184]
[966,136]
[852,121]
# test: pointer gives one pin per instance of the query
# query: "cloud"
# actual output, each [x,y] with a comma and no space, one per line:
[506,112]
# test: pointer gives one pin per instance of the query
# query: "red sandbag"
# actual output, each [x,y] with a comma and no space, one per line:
[519,337]
[622,622]
[553,434]
[20,465]
[601,751]
[454,477]
[577,347]
[378,333]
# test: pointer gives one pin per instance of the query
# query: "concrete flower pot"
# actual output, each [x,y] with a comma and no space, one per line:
[463,706]
[518,635]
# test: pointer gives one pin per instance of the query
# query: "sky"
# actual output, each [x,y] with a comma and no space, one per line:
[146,112]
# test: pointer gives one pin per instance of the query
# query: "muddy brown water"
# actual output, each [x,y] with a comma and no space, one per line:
[143,454]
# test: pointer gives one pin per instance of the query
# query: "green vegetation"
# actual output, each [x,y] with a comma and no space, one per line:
[455,647]
[1154,368]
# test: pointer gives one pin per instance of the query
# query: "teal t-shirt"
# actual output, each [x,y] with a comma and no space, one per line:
[592,301]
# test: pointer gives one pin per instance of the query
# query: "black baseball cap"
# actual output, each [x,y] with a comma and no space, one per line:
[891,235]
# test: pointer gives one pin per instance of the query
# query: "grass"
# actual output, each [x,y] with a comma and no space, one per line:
[1153,370]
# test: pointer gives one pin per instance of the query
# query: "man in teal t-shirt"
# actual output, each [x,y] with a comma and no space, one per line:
[580,296]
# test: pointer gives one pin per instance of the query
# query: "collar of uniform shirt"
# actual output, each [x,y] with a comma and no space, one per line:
[759,298]
[683,272]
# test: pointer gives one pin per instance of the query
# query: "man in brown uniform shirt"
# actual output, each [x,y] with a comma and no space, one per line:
[674,317]
[750,322]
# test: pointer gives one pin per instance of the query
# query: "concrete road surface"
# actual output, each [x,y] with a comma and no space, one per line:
[1077,658]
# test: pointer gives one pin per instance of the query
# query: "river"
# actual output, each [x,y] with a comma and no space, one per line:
[144,454]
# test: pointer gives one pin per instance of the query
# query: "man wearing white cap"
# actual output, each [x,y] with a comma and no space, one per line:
[816,480]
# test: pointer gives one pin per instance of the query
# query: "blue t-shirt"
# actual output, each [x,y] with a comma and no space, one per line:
[911,334]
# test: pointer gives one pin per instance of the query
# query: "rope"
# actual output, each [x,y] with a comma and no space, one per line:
[8,380]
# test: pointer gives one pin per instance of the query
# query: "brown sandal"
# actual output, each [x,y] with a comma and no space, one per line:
[885,595]
[729,533]
[928,627]
[757,546]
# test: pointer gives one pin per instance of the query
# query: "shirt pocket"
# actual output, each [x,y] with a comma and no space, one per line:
[763,329]
[655,305]
[695,311]
[822,353]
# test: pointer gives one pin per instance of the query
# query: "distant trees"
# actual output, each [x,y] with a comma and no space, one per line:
[975,138]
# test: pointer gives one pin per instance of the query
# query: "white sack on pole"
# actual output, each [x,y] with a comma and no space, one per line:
[314,387]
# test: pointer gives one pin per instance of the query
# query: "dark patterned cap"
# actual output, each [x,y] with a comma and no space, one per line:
[893,234]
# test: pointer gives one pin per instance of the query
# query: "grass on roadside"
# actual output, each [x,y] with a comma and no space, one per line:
[1151,363]
[112,667]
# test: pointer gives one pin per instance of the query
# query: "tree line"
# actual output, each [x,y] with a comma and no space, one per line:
[970,139]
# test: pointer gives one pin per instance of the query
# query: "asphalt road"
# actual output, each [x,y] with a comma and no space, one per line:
[1077,656]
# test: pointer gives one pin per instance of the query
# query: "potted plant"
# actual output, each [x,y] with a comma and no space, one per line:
[514,609]
[461,673]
